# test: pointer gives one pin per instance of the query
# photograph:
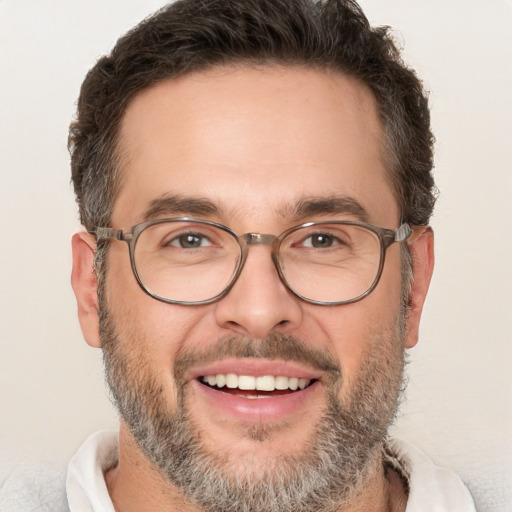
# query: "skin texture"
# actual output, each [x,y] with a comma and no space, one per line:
[255,142]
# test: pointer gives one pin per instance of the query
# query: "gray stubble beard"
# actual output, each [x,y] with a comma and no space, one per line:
[324,477]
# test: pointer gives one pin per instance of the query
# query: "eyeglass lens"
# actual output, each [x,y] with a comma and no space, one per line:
[194,262]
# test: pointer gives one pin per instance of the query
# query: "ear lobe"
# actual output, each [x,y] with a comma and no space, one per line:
[422,252]
[85,286]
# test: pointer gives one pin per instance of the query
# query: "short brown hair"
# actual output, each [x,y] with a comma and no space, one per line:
[191,35]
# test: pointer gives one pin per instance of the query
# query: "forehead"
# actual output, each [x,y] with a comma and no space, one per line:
[255,141]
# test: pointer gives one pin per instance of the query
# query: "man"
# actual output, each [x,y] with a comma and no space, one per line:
[255,182]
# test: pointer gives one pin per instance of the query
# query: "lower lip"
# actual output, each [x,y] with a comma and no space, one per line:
[271,408]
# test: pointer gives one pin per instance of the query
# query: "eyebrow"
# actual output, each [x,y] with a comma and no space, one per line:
[332,205]
[170,205]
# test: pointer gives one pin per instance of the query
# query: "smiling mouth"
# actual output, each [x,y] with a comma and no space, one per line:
[247,386]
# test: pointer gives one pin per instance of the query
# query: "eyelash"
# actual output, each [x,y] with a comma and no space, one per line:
[177,238]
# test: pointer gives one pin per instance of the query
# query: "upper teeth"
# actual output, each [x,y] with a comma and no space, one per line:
[247,382]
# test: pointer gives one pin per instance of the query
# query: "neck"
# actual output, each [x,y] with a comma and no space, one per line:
[382,491]
[134,484]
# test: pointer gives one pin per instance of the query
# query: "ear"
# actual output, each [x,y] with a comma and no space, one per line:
[422,252]
[85,286]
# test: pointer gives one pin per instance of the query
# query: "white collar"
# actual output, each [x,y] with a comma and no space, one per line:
[85,484]
[431,488]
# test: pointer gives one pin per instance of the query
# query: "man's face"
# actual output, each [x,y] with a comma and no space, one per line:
[245,147]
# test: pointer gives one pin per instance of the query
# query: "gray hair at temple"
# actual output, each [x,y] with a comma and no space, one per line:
[193,35]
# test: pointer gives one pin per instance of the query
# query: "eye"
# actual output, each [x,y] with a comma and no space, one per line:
[189,241]
[320,241]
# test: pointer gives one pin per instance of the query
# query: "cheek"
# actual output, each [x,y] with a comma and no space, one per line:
[354,330]
[152,329]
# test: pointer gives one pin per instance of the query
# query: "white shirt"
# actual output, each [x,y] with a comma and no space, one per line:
[431,488]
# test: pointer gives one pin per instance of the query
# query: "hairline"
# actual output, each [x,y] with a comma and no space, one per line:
[119,155]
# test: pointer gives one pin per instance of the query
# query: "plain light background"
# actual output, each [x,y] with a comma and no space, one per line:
[459,402]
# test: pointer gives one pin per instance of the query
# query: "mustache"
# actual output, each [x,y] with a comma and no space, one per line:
[273,347]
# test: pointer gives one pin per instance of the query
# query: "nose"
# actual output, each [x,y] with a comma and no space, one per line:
[259,302]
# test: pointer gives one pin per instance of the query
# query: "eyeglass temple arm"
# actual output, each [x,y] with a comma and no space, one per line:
[416,232]
[403,232]
[117,234]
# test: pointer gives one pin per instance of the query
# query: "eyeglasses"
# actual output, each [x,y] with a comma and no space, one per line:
[192,262]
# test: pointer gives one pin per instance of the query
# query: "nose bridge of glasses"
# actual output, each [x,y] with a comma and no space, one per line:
[257,239]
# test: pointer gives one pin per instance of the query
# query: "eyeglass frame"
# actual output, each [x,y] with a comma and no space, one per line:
[386,237]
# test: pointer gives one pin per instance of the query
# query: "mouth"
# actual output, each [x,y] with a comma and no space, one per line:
[257,390]
[255,387]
